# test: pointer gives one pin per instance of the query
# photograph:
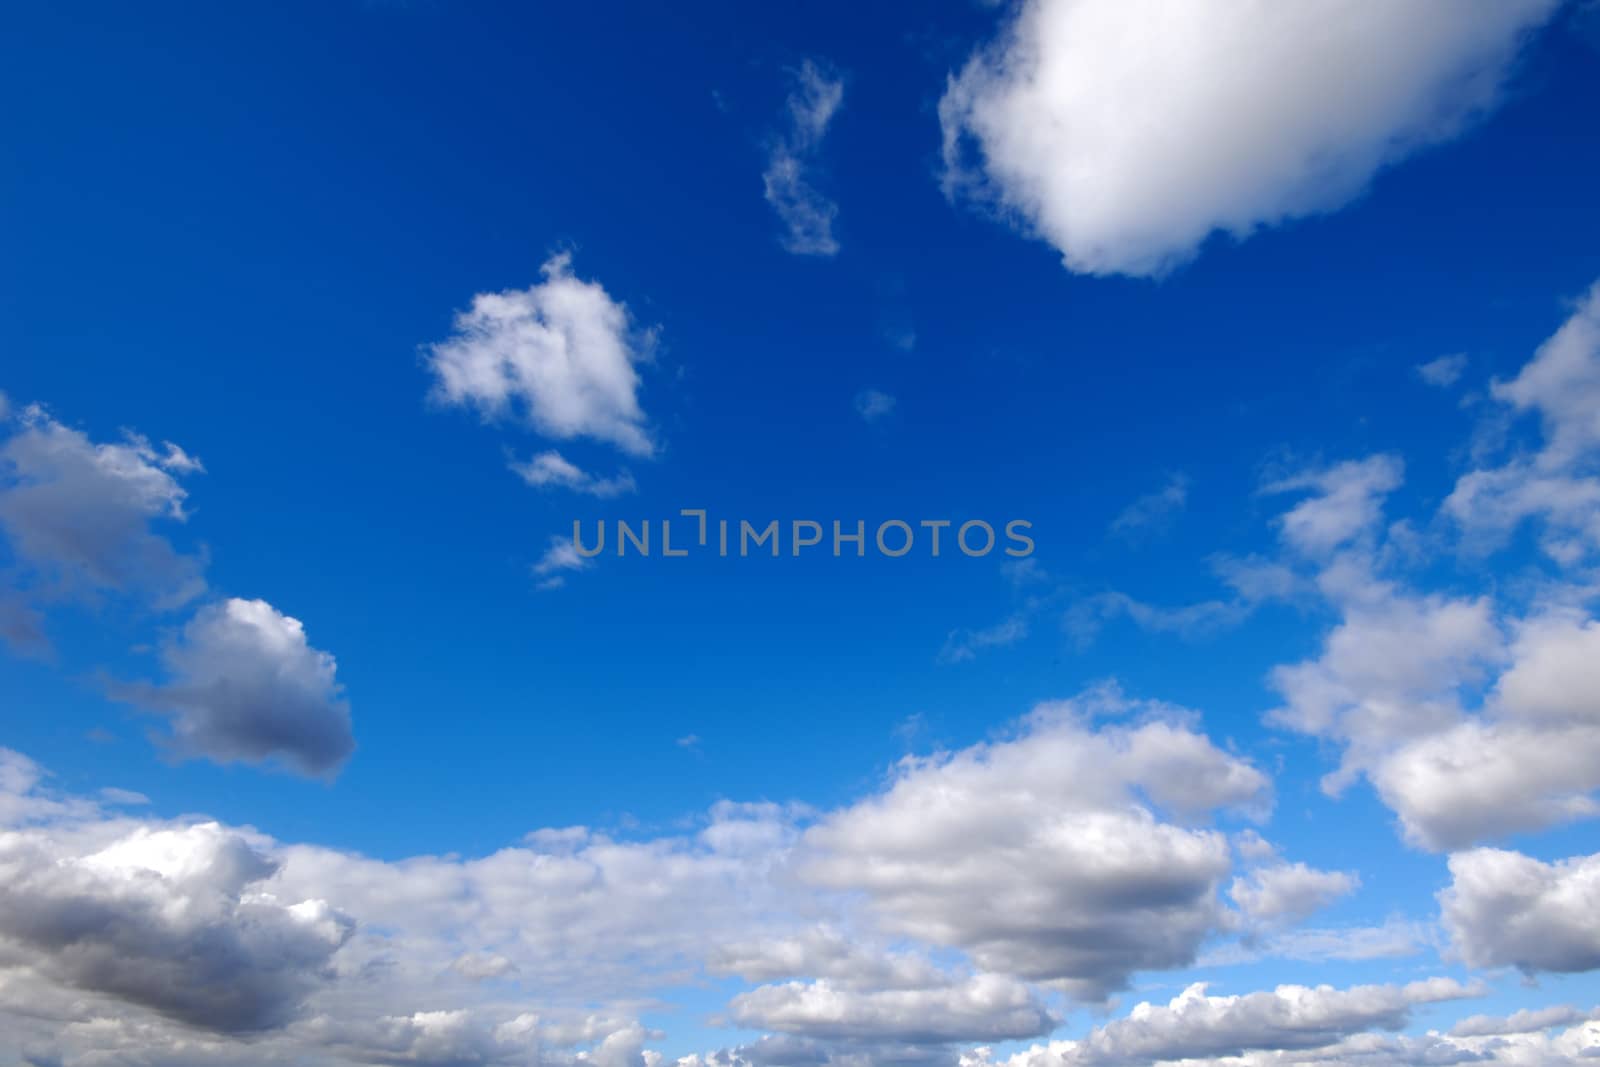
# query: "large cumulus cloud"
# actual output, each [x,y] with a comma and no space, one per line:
[1126,131]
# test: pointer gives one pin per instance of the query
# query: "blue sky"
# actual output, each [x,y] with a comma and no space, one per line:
[1291,371]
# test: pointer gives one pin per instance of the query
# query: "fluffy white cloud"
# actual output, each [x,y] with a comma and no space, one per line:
[1197,1027]
[1390,685]
[1490,777]
[1289,892]
[85,515]
[1345,502]
[174,920]
[1126,131]
[1070,851]
[560,557]
[552,470]
[1558,483]
[133,941]
[1526,1021]
[1095,884]
[561,354]
[246,685]
[807,214]
[126,940]
[1400,680]
[1153,509]
[1504,909]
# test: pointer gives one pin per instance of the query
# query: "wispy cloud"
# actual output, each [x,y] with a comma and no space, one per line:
[1443,372]
[807,214]
[552,470]
[873,404]
[559,559]
[1153,510]
[963,645]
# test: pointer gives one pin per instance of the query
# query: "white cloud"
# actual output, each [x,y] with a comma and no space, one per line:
[560,558]
[552,470]
[1472,719]
[174,920]
[544,952]
[1389,940]
[130,940]
[561,355]
[807,214]
[1443,372]
[981,1008]
[962,646]
[246,685]
[1345,503]
[822,951]
[1289,892]
[1153,509]
[1200,1028]
[1504,909]
[1391,682]
[1562,385]
[1096,885]
[872,404]
[1124,132]
[85,514]
[1558,483]
[1526,1021]
[887,928]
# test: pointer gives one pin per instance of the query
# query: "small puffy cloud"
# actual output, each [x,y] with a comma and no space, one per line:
[1096,883]
[1289,892]
[173,920]
[807,215]
[873,404]
[1504,909]
[86,514]
[1124,132]
[246,685]
[1443,372]
[562,355]
[552,470]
